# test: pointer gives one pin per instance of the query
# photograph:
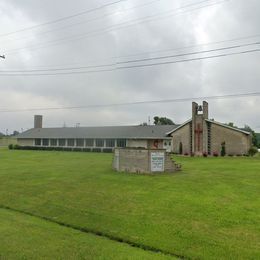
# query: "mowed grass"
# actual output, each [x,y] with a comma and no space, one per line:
[27,237]
[209,210]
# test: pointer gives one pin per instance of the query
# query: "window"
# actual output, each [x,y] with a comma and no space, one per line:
[99,142]
[80,142]
[121,142]
[110,142]
[62,142]
[54,142]
[45,142]
[89,142]
[71,142]
[38,142]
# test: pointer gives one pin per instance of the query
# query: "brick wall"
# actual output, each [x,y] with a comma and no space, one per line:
[182,135]
[236,143]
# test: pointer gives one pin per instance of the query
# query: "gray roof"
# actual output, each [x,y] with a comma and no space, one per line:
[229,127]
[211,121]
[126,132]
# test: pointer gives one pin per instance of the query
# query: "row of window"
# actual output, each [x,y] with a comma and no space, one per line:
[81,142]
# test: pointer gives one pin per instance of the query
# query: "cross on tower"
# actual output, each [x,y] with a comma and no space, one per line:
[198,132]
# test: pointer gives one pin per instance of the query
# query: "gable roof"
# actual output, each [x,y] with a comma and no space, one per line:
[178,127]
[229,127]
[113,132]
[213,122]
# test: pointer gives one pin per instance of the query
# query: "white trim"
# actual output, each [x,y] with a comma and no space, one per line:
[229,127]
[185,123]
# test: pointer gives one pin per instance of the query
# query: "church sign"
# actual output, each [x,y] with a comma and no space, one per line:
[157,161]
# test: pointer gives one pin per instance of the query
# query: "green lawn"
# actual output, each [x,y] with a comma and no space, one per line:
[26,237]
[209,210]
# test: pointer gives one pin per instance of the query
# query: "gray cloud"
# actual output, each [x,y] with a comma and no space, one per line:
[227,75]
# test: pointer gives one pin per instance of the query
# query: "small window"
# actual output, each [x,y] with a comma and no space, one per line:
[54,142]
[62,142]
[71,142]
[110,142]
[121,142]
[79,142]
[99,142]
[45,142]
[89,142]
[38,142]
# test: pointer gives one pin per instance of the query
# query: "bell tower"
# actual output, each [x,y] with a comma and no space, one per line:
[199,128]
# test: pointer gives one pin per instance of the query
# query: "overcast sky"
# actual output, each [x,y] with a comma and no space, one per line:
[122,32]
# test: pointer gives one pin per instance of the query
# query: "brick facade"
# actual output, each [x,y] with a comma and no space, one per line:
[201,136]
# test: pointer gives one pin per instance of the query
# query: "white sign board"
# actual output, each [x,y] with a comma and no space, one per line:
[157,161]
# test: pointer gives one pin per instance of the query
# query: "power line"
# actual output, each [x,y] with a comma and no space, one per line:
[64,18]
[114,27]
[240,95]
[191,46]
[190,53]
[167,50]
[134,66]
[93,19]
[133,61]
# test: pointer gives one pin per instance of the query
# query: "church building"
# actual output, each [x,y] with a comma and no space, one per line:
[197,136]
[202,136]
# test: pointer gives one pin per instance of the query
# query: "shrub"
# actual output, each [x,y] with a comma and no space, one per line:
[215,154]
[205,154]
[77,149]
[16,146]
[252,151]
[86,149]
[10,146]
[223,149]
[107,150]
[186,154]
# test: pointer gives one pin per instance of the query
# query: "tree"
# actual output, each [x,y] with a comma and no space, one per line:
[162,121]
[15,133]
[231,124]
[254,137]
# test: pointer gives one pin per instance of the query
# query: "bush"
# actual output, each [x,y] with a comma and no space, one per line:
[215,154]
[96,150]
[252,151]
[107,150]
[86,149]
[10,146]
[205,154]
[223,149]
[16,146]
[77,149]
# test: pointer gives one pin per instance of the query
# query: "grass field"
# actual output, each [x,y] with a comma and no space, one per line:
[53,203]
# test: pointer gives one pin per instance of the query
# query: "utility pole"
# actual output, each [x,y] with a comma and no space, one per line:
[2,56]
